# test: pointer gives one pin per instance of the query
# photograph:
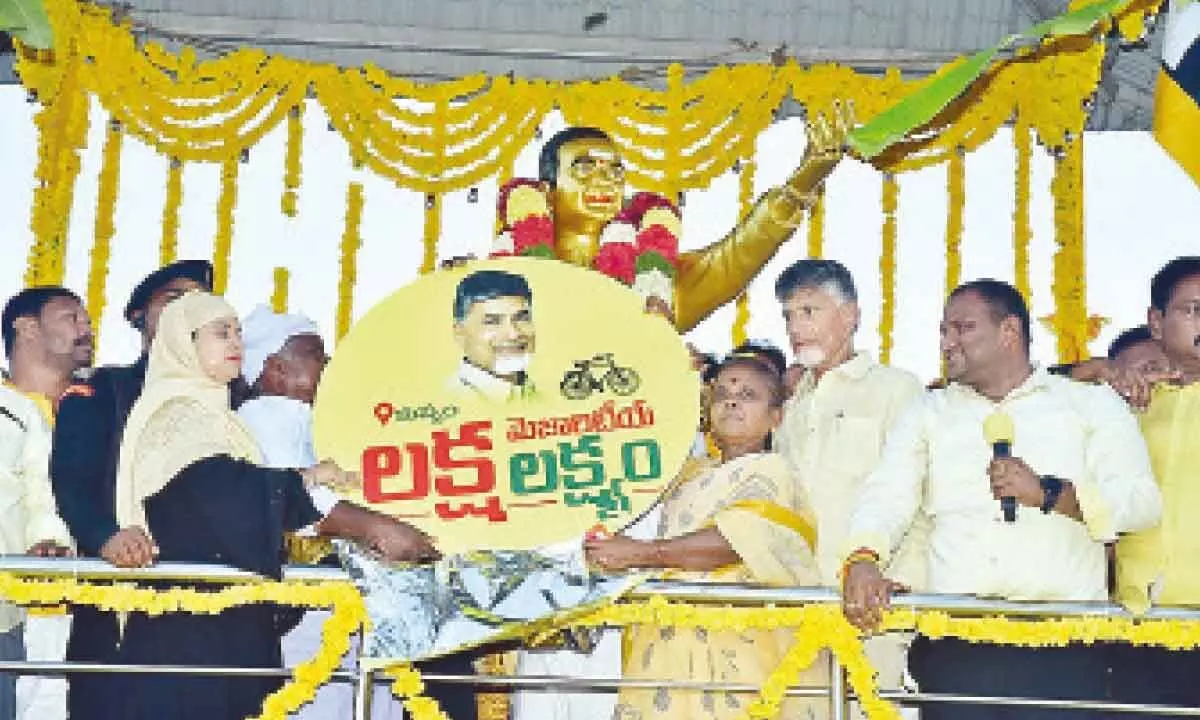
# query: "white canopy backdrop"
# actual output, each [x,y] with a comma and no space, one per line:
[1140,211]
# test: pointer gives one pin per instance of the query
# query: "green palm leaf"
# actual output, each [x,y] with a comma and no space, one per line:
[26,20]
[919,108]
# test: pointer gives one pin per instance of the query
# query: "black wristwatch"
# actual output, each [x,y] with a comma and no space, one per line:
[1052,488]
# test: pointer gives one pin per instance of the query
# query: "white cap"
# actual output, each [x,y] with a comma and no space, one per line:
[264,333]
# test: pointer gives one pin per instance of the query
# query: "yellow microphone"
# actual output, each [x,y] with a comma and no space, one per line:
[999,432]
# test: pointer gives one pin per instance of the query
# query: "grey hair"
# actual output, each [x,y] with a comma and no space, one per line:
[812,274]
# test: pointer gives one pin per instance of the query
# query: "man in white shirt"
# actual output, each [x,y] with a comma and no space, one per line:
[834,425]
[282,362]
[493,324]
[1078,474]
[28,523]
[47,339]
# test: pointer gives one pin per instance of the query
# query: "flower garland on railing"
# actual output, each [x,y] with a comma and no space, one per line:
[105,225]
[824,625]
[223,245]
[815,626]
[169,246]
[348,616]
[407,683]
[348,264]
[887,267]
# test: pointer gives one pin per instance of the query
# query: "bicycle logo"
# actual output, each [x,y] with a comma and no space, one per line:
[596,374]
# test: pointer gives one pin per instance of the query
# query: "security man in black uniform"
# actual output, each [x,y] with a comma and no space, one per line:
[83,471]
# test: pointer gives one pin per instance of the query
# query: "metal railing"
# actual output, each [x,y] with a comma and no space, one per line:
[364,678]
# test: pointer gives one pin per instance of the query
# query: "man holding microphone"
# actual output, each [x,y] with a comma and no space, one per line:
[1071,459]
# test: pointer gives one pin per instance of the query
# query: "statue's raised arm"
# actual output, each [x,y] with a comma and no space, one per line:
[712,276]
[577,212]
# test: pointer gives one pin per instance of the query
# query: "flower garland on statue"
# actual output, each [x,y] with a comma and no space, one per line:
[639,247]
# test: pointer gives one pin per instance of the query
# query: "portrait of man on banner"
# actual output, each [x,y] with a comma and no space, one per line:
[494,328]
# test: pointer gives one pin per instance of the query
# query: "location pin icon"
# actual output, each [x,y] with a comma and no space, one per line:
[383,412]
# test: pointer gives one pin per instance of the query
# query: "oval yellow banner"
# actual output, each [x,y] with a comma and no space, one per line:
[510,404]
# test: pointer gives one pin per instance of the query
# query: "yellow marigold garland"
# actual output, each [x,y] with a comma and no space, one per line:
[1069,321]
[816,225]
[454,134]
[887,267]
[291,171]
[349,613]
[741,319]
[62,131]
[223,243]
[348,266]
[816,626]
[826,626]
[104,227]
[956,199]
[431,233]
[407,684]
[279,296]
[169,247]
[1022,233]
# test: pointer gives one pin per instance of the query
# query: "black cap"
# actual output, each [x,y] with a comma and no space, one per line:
[199,270]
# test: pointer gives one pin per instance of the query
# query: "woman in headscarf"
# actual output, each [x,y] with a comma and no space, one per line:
[190,477]
[742,519]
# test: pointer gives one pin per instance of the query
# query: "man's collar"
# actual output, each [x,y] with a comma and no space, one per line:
[857,367]
[492,386]
[280,402]
[1038,380]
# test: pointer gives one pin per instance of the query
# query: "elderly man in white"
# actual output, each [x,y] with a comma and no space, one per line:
[282,362]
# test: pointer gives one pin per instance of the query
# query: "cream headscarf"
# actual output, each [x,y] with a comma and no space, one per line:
[182,415]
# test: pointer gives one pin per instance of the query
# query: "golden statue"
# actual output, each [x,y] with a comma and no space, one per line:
[585,177]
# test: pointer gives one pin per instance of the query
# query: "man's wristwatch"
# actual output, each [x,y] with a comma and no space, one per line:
[1052,488]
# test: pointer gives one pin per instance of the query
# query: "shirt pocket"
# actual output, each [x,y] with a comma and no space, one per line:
[852,445]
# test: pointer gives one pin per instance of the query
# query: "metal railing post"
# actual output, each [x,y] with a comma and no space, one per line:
[839,703]
[364,693]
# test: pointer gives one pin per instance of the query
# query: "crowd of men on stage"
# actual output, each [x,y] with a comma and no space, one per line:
[1086,493]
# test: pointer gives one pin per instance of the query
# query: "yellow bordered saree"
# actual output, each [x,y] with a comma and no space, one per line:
[760,509]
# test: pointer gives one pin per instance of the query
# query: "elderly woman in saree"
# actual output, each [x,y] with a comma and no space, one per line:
[190,476]
[743,518]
